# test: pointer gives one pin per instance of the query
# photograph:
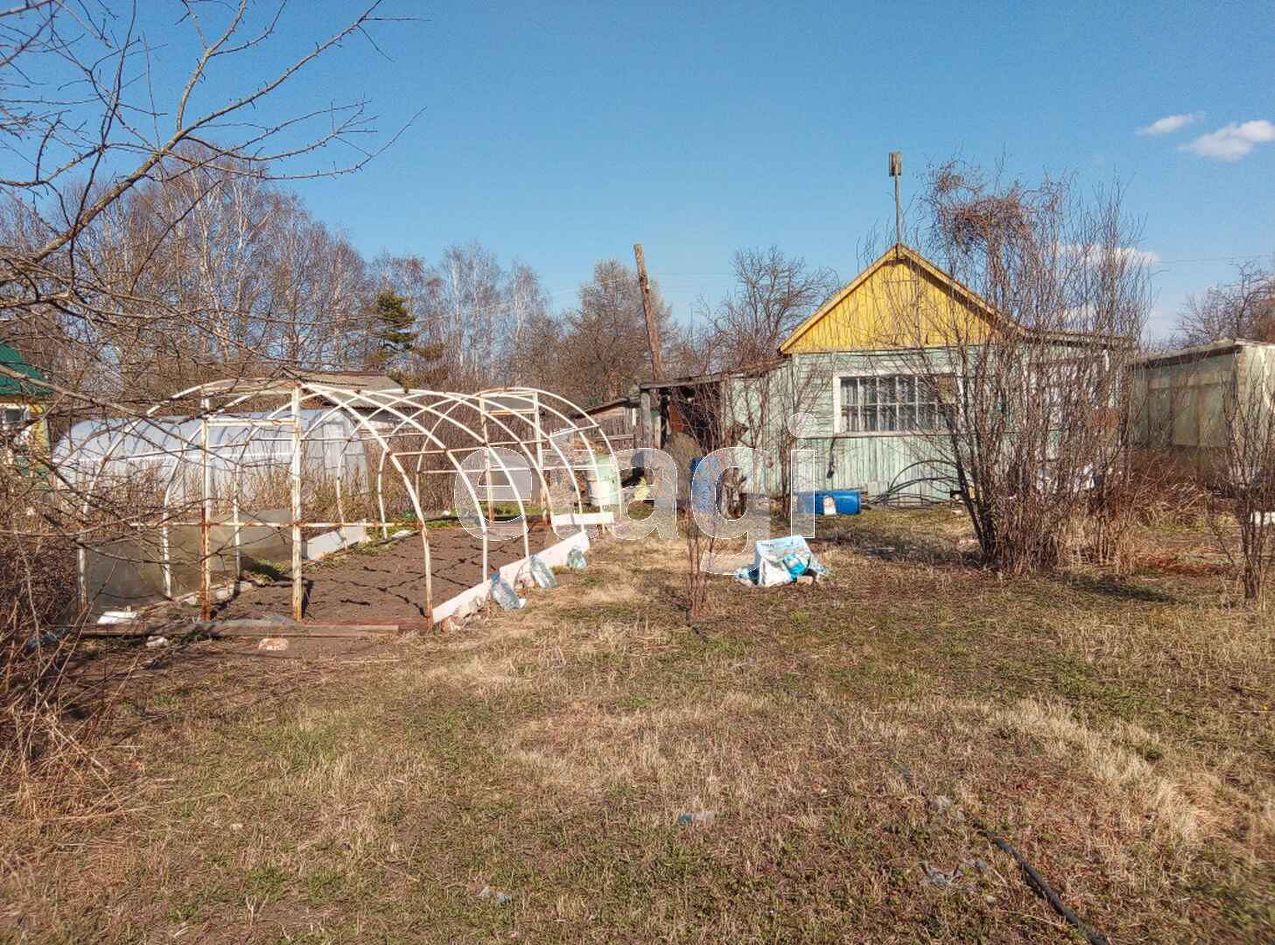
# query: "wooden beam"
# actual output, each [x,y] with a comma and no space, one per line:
[298,581]
[247,627]
[652,329]
[644,438]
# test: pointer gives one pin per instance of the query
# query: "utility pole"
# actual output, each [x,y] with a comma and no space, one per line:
[652,330]
[896,171]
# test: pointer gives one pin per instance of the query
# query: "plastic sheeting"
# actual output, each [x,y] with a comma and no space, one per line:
[331,446]
[780,561]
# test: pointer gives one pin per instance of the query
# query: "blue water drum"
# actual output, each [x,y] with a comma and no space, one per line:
[838,502]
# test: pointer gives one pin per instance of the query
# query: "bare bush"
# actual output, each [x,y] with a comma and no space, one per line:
[1026,356]
[1247,480]
[699,548]
[1136,492]
[37,629]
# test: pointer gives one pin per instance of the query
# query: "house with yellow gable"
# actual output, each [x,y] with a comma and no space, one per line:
[857,385]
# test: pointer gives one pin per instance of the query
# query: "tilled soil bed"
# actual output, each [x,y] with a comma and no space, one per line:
[385,583]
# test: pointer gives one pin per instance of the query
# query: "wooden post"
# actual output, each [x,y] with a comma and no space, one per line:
[82,562]
[298,586]
[491,509]
[652,330]
[429,577]
[166,552]
[896,171]
[545,510]
[380,492]
[645,439]
[205,518]
[489,516]
[238,527]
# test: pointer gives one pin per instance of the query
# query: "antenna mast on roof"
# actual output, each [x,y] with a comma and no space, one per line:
[896,171]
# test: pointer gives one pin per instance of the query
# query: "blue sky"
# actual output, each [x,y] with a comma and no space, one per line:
[560,133]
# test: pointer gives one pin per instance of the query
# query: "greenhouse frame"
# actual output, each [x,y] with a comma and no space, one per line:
[353,459]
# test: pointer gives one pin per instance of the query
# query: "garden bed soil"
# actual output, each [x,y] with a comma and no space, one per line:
[386,583]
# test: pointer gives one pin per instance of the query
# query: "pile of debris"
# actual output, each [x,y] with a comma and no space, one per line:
[782,561]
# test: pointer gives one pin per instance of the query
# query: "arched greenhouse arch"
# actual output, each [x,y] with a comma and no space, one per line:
[298,456]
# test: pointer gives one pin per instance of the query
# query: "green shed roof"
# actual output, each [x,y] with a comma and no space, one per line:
[11,386]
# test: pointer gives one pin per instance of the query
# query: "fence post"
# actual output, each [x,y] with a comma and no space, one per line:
[205,517]
[298,586]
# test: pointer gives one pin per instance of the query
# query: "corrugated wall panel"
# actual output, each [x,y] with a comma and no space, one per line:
[877,463]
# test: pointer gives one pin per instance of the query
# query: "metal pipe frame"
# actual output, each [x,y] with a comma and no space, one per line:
[380,417]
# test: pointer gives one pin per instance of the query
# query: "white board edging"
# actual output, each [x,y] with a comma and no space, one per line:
[515,573]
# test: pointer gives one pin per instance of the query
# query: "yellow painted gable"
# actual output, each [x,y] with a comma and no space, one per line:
[900,301]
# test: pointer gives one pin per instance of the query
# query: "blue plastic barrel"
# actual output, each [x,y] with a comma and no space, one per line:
[844,501]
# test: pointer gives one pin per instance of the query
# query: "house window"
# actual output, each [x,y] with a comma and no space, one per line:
[12,418]
[890,404]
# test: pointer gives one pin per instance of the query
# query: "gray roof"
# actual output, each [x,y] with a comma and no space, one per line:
[1199,352]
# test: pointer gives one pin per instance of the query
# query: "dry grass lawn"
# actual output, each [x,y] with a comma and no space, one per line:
[522,778]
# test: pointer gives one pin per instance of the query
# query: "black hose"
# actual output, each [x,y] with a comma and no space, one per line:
[1042,888]
[1030,875]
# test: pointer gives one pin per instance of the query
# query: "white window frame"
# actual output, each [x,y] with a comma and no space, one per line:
[838,421]
[18,423]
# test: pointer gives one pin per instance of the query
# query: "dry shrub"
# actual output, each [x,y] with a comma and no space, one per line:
[1137,494]
[698,546]
[38,631]
[1246,484]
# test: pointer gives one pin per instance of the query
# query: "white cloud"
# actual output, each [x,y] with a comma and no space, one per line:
[1092,253]
[1170,123]
[1144,256]
[1232,142]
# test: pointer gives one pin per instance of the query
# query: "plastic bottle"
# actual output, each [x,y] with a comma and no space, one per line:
[505,595]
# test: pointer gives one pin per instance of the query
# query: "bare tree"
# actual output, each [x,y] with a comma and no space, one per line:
[773,293]
[210,273]
[480,316]
[88,124]
[527,305]
[318,293]
[1016,381]
[541,355]
[1242,308]
[131,207]
[468,304]
[606,345]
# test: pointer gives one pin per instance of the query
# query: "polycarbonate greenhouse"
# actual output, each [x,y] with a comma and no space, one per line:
[216,467]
